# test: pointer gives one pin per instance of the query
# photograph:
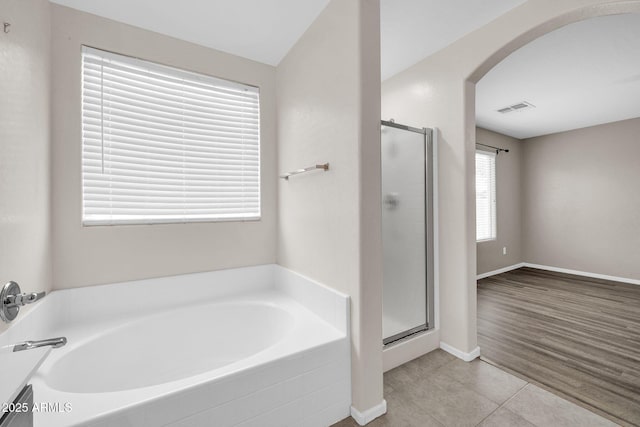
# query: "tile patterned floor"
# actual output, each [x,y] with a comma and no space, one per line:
[438,389]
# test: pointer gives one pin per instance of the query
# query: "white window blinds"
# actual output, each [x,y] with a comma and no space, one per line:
[161,144]
[485,195]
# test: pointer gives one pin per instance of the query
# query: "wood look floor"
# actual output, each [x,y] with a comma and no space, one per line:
[577,336]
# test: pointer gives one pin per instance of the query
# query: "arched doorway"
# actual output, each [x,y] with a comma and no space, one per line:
[572,157]
[440,92]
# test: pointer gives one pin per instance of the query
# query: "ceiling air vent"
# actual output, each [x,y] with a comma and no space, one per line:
[520,106]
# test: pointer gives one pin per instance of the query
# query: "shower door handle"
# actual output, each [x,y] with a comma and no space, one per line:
[391,201]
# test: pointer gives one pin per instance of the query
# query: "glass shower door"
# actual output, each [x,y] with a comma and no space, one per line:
[406,230]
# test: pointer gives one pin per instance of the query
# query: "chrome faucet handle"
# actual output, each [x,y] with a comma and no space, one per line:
[24,299]
[12,299]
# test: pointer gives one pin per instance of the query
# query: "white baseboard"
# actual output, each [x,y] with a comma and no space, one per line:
[500,270]
[399,353]
[467,357]
[559,270]
[583,273]
[363,418]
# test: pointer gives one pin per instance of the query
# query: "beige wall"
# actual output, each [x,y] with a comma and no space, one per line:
[581,201]
[92,255]
[565,201]
[24,145]
[328,111]
[440,91]
[508,201]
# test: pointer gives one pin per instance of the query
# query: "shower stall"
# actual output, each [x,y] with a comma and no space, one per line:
[407,230]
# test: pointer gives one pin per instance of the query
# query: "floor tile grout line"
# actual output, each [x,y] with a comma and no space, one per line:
[441,367]
[479,394]
[505,402]
[558,393]
[421,375]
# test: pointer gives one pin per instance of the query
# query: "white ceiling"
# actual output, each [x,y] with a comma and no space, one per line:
[411,30]
[581,75]
[265,30]
[262,30]
[584,74]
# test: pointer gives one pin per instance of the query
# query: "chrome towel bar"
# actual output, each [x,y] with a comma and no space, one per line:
[309,169]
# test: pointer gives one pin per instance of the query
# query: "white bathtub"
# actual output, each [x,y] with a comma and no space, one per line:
[258,346]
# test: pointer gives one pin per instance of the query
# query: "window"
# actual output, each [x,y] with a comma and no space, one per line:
[485,196]
[162,145]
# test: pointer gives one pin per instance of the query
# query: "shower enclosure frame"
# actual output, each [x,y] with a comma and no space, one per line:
[429,233]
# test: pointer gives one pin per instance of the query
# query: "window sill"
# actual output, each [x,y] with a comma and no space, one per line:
[167,222]
[487,240]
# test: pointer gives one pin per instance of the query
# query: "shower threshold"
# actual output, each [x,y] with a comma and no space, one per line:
[406,334]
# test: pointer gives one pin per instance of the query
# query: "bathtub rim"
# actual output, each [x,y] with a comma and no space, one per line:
[328,305]
[120,402]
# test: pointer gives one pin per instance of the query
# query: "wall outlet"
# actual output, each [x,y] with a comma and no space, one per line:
[504,250]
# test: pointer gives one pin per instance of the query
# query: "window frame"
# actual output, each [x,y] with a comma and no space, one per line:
[493,203]
[242,214]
